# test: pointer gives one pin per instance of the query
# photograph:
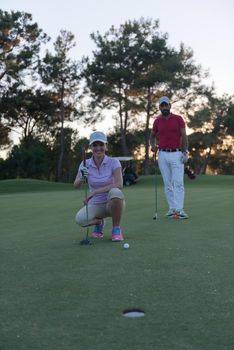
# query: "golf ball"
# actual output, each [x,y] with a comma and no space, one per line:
[126,245]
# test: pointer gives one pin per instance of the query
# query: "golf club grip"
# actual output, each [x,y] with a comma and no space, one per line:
[83,155]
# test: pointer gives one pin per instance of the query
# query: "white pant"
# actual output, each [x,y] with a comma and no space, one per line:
[172,170]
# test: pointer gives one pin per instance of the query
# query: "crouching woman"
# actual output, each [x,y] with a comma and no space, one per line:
[105,198]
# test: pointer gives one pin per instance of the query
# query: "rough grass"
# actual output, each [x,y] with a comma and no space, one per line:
[29,185]
[56,294]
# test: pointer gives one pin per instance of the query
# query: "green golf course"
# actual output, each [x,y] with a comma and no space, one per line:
[59,295]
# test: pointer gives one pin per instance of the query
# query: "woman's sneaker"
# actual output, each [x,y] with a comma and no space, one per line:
[98,231]
[117,234]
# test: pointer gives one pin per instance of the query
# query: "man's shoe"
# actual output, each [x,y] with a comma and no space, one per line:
[170,213]
[117,234]
[180,214]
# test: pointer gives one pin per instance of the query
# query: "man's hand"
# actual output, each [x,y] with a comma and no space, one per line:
[153,148]
[84,172]
[184,157]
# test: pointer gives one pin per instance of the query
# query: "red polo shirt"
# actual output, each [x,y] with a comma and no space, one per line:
[167,130]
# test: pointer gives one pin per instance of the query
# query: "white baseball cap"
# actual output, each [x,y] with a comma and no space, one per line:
[97,136]
[164,99]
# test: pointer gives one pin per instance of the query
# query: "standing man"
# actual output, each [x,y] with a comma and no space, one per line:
[169,134]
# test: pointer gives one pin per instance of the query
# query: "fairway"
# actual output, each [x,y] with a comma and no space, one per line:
[58,295]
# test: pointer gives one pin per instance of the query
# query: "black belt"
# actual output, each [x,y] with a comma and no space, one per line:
[170,149]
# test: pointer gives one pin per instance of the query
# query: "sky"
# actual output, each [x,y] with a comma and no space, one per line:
[206,26]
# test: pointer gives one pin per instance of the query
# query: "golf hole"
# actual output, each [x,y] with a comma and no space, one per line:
[133,313]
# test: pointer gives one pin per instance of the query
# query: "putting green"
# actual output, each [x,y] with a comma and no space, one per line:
[56,294]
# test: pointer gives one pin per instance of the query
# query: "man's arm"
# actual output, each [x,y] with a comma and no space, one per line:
[184,140]
[153,141]
[184,146]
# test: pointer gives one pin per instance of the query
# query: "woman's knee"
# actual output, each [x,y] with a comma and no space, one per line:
[115,193]
[115,201]
[81,218]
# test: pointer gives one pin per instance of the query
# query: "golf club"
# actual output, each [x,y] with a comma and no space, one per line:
[86,240]
[155,189]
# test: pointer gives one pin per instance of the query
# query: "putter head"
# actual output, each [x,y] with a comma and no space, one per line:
[85,241]
[155,216]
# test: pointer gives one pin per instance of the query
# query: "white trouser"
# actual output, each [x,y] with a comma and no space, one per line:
[172,170]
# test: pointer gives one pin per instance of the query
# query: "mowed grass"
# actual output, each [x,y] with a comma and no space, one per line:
[58,295]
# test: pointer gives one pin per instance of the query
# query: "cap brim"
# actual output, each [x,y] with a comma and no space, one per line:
[97,140]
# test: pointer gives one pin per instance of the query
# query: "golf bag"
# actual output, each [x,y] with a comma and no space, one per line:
[190,173]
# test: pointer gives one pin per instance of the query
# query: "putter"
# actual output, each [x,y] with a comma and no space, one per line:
[155,189]
[86,240]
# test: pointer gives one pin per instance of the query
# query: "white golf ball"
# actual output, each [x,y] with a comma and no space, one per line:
[126,245]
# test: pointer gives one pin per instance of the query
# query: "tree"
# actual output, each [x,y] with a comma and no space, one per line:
[229,120]
[30,159]
[4,136]
[27,110]
[70,163]
[111,73]
[131,68]
[60,74]
[20,41]
[222,162]
[213,131]
[134,138]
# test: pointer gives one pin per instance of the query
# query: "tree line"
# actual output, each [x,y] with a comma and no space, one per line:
[44,93]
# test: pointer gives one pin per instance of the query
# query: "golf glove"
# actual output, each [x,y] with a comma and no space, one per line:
[184,157]
[84,172]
